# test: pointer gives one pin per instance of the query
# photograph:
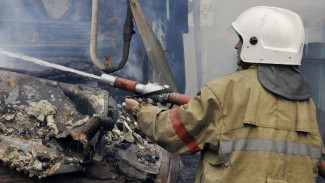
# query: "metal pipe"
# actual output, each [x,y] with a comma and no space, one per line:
[93,36]
[127,35]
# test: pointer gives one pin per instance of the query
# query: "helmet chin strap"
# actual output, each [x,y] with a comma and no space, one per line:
[244,65]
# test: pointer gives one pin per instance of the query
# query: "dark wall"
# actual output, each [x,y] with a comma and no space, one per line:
[313,67]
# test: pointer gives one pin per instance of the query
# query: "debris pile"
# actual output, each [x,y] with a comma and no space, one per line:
[49,128]
[128,151]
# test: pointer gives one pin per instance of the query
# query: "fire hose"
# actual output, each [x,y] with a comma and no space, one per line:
[155,92]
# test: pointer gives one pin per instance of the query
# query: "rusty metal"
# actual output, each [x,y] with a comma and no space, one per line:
[125,84]
[93,36]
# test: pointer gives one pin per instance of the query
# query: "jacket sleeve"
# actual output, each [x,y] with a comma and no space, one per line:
[186,129]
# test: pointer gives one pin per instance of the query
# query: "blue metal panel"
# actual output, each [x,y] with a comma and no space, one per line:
[313,67]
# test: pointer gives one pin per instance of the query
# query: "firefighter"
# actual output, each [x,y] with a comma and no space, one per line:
[255,125]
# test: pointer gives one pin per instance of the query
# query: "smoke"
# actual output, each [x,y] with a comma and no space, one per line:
[51,31]
[59,32]
[8,12]
[132,69]
[27,27]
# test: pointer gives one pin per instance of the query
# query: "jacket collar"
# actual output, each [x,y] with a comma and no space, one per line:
[284,80]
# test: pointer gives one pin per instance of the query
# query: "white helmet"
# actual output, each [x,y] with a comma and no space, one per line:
[270,35]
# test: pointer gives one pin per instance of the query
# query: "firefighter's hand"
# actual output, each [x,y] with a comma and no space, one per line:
[321,170]
[131,104]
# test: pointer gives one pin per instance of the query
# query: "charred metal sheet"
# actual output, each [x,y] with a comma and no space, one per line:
[136,163]
[153,47]
[82,134]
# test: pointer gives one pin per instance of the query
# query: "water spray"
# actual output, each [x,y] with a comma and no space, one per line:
[158,93]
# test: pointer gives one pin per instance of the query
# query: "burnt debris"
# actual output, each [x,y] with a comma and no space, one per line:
[49,128]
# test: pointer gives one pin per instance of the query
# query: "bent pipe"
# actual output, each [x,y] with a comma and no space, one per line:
[127,35]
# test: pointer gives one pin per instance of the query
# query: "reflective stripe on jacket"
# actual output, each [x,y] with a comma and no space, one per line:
[244,132]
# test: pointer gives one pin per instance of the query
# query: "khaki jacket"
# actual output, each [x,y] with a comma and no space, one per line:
[244,133]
